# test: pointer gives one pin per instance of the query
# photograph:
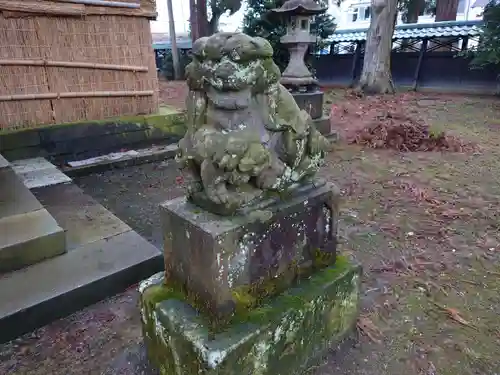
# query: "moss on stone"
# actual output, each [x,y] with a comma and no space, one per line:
[259,310]
[165,119]
[251,302]
[170,123]
[248,297]
[283,336]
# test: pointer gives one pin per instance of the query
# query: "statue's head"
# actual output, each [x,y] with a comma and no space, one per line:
[232,63]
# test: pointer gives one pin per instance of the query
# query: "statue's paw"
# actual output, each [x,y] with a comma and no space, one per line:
[218,194]
[236,178]
[267,179]
[194,187]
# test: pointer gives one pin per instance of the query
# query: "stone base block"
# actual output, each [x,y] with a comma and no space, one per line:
[229,262]
[311,102]
[323,125]
[285,336]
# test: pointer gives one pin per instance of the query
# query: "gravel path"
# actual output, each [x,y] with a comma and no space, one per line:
[135,193]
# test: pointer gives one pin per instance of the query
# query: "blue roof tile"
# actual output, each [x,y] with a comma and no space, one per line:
[418,31]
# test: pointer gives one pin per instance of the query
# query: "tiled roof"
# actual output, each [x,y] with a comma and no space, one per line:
[419,31]
[166,44]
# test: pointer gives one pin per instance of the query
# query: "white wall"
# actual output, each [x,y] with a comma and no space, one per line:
[181,18]
[342,15]
[345,19]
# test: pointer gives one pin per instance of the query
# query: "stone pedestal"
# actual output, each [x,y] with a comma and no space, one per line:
[312,103]
[230,263]
[259,293]
[285,337]
[252,283]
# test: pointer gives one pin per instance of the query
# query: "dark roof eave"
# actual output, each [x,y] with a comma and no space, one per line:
[301,7]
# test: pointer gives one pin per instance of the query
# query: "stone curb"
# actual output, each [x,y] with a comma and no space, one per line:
[147,156]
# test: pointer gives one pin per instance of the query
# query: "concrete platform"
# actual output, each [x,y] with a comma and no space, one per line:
[84,219]
[104,255]
[28,233]
[85,139]
[38,172]
[29,238]
[3,162]
[15,198]
[36,295]
[120,160]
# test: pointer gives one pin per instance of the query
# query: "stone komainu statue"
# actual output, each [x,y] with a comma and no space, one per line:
[245,133]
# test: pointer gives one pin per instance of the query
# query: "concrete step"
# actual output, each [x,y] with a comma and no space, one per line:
[39,294]
[38,172]
[15,197]
[29,238]
[82,217]
[3,162]
[105,256]
[28,233]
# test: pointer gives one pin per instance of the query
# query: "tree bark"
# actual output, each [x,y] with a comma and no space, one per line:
[213,24]
[446,10]
[411,16]
[376,75]
[173,41]
[413,11]
[202,18]
[193,20]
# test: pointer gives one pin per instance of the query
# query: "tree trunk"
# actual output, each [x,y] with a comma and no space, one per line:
[446,10]
[202,18]
[411,16]
[213,25]
[376,75]
[412,11]
[173,40]
[193,20]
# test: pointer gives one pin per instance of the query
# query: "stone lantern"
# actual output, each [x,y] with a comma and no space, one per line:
[296,77]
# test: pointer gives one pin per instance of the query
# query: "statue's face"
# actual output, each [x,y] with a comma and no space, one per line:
[228,83]
[227,74]
[230,68]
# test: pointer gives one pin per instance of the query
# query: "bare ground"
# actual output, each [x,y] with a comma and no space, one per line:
[424,225]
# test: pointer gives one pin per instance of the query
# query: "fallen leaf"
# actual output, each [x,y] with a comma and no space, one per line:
[454,314]
[367,328]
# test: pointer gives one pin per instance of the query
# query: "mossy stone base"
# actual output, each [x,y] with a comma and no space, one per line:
[90,138]
[283,337]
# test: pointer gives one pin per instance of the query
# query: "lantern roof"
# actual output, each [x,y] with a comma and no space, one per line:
[301,7]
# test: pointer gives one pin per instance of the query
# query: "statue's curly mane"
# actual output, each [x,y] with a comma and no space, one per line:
[245,132]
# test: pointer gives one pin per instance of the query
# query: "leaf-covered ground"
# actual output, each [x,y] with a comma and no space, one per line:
[424,225]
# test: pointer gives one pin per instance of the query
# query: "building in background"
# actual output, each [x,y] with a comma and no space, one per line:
[355,14]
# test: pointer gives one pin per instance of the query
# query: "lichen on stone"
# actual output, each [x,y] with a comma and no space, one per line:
[245,133]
